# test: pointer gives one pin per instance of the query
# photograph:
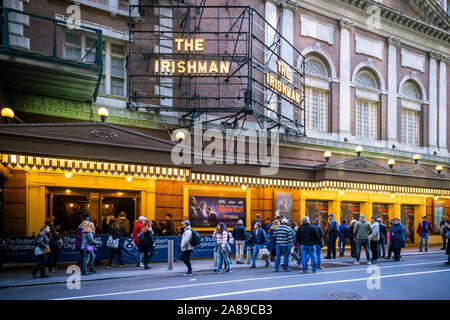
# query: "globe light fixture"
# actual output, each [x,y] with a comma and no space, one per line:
[358,150]
[7,114]
[180,136]
[103,113]
[438,169]
[327,155]
[416,158]
[391,163]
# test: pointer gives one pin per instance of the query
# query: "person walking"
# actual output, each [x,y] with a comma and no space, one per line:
[397,238]
[319,245]
[146,244]
[446,231]
[352,239]
[258,219]
[52,256]
[381,250]
[222,237]
[423,231]
[307,236]
[186,247]
[87,244]
[389,255]
[272,239]
[285,240]
[260,242]
[344,232]
[124,224]
[361,233]
[115,234]
[332,233]
[78,240]
[443,234]
[40,251]
[240,235]
[374,237]
[136,230]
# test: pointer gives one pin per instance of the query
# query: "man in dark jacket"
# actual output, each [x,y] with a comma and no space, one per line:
[423,230]
[258,219]
[239,235]
[332,234]
[352,239]
[307,236]
[343,235]
[168,226]
[319,245]
[260,242]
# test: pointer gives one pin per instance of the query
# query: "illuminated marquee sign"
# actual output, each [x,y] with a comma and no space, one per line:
[191,66]
[280,86]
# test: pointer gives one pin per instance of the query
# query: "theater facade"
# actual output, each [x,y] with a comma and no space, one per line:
[360,113]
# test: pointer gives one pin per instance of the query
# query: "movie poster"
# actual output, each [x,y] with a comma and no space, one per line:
[407,217]
[283,205]
[208,212]
[438,215]
[317,209]
[381,210]
[350,211]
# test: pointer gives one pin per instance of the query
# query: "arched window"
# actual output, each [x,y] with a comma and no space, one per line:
[411,108]
[316,95]
[367,97]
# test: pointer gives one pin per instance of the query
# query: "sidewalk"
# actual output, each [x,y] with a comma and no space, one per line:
[19,276]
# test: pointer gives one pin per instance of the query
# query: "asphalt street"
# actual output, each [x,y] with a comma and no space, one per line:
[414,277]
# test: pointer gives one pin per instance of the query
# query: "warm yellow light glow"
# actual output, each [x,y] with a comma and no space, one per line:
[180,135]
[392,195]
[106,206]
[359,149]
[7,113]
[327,154]
[435,198]
[416,157]
[129,178]
[244,187]
[71,205]
[68,175]
[391,162]
[341,192]
[439,168]
[68,191]
[102,112]
[120,193]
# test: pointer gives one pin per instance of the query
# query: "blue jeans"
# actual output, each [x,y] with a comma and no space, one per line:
[359,244]
[282,250]
[138,257]
[318,254]
[307,253]
[342,241]
[255,254]
[382,245]
[223,255]
[88,256]
[424,235]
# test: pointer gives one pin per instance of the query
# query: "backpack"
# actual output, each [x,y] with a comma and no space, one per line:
[230,238]
[195,238]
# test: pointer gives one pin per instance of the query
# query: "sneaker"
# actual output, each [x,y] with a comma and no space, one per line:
[109,266]
[147,267]
[188,273]
[426,250]
[287,270]
[356,262]
[320,268]
[369,262]
[141,265]
[216,271]
[276,270]
[252,267]
[228,271]
[442,248]
[315,271]
[304,272]
[121,265]
[420,250]
[33,274]
[92,271]
[267,264]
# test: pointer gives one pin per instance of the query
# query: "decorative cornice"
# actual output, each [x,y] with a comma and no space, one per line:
[345,24]
[393,41]
[435,55]
[289,4]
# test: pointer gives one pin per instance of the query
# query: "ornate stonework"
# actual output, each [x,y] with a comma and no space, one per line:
[345,24]
[393,41]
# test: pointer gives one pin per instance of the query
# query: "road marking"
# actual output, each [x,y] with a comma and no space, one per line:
[236,280]
[309,284]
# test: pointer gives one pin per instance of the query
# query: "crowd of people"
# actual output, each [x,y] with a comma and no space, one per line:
[270,240]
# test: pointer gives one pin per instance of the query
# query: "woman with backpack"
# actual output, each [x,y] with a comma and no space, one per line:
[115,236]
[222,237]
[146,243]
[41,250]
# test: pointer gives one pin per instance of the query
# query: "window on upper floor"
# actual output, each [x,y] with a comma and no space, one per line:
[410,117]
[83,47]
[316,95]
[367,97]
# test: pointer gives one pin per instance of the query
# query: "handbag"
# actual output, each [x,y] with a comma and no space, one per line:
[447,234]
[46,249]
[263,254]
[112,243]
[90,248]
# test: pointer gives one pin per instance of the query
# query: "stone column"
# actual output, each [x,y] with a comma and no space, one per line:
[286,49]
[392,119]
[442,135]
[344,74]
[432,111]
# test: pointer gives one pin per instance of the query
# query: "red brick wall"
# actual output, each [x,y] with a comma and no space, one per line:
[14,199]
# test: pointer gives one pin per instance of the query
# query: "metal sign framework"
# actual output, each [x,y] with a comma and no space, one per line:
[164,77]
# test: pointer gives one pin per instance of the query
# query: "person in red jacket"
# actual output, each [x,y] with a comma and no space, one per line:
[423,230]
[137,228]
